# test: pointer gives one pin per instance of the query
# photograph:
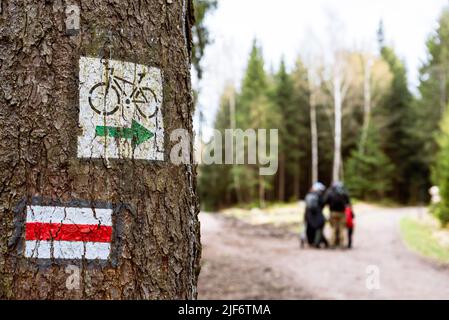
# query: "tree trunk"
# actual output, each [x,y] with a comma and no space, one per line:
[366,104]
[338,97]
[261,192]
[314,137]
[281,189]
[146,235]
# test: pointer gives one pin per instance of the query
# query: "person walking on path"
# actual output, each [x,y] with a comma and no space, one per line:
[313,218]
[338,199]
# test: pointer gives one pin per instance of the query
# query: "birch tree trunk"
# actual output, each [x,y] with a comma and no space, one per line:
[153,233]
[314,137]
[338,97]
[366,103]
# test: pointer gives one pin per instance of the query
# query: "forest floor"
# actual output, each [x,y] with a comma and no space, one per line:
[246,261]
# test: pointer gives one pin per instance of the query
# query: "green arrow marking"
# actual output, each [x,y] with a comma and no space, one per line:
[138,133]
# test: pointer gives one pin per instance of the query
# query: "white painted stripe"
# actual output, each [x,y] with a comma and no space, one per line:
[67,250]
[37,249]
[68,215]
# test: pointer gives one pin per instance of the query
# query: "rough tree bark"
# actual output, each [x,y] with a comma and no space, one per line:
[157,243]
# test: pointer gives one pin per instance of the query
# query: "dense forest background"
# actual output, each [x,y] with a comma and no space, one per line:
[391,139]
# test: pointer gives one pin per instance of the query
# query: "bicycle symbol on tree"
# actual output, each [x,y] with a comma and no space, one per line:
[106,98]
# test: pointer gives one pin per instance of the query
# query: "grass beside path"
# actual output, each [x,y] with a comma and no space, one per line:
[285,215]
[288,215]
[426,238]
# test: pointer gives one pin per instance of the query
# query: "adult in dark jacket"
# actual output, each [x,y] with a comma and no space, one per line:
[338,199]
[313,217]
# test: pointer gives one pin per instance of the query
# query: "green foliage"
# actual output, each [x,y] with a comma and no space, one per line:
[215,180]
[254,87]
[399,150]
[368,172]
[396,120]
[253,110]
[265,101]
[434,97]
[200,33]
[440,172]
[291,100]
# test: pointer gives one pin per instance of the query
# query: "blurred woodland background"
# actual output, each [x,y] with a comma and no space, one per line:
[344,115]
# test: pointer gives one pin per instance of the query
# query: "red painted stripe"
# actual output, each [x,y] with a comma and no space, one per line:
[68,232]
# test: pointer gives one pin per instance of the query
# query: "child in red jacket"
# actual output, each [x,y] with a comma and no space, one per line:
[349,224]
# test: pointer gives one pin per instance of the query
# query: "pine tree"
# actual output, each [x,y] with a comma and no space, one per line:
[250,114]
[215,180]
[434,97]
[298,126]
[368,172]
[255,85]
[440,172]
[283,101]
[397,118]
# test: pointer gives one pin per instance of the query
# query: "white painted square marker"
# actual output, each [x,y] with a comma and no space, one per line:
[120,110]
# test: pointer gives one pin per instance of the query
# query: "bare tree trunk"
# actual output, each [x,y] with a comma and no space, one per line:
[366,104]
[337,135]
[261,192]
[314,136]
[147,231]
[281,186]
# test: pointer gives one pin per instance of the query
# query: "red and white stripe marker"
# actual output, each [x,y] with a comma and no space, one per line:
[68,233]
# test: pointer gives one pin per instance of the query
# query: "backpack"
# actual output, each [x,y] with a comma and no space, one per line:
[313,203]
[314,216]
[339,198]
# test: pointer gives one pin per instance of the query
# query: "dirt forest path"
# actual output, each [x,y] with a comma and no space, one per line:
[241,261]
